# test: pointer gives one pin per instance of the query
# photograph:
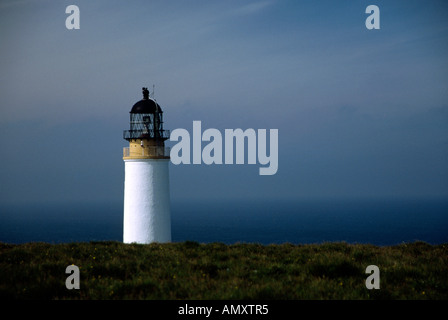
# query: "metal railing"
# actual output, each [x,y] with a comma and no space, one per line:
[147,152]
[138,134]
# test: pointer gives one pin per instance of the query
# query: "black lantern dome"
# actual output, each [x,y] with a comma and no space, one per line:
[146,105]
[146,120]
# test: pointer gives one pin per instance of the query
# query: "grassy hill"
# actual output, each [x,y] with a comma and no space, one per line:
[189,270]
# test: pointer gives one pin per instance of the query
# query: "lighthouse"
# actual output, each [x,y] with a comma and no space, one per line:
[147,216]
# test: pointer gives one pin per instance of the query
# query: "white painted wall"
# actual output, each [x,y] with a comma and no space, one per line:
[147,216]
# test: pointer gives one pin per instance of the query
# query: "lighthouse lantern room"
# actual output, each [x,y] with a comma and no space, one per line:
[147,216]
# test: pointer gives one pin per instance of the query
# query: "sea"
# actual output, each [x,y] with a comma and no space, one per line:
[377,222]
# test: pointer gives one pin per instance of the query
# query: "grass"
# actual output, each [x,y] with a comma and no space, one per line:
[189,270]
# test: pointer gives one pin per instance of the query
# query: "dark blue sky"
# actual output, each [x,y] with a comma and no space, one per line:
[360,113]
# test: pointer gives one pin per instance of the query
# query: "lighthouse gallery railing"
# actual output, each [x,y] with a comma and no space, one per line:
[147,152]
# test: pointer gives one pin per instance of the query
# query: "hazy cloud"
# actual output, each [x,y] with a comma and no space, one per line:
[253,8]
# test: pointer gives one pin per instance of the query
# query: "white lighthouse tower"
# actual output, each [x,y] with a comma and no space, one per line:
[147,216]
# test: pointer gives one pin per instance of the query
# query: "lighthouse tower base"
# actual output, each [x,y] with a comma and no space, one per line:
[147,216]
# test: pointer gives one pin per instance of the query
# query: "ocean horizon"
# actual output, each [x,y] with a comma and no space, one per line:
[377,222]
